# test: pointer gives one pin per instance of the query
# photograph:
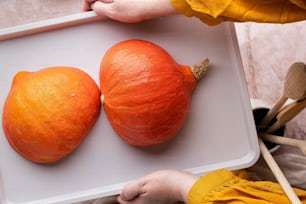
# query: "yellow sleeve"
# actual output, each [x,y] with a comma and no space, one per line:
[223,186]
[213,12]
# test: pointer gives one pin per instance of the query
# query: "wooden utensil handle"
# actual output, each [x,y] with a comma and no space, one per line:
[287,114]
[273,111]
[283,140]
[291,110]
[280,177]
[274,127]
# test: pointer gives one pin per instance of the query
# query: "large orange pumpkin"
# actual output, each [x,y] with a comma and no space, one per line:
[145,93]
[48,113]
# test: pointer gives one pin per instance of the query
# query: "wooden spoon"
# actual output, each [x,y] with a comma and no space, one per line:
[294,88]
[286,114]
[285,140]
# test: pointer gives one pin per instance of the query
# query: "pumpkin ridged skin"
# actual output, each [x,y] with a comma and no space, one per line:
[48,113]
[146,94]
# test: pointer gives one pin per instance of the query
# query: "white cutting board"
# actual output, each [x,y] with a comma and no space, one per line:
[219,131]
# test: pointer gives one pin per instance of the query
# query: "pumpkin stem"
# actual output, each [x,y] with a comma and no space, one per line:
[102,99]
[199,69]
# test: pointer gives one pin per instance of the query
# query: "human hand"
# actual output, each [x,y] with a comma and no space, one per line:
[164,186]
[130,11]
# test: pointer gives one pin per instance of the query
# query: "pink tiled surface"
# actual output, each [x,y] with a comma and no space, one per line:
[17,12]
[267,50]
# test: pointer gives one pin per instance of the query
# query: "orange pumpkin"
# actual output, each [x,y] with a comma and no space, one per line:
[145,93]
[48,113]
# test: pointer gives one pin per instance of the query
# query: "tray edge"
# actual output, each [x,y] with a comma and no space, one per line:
[48,25]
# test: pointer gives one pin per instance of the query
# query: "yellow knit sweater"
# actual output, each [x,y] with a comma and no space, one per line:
[223,186]
[213,12]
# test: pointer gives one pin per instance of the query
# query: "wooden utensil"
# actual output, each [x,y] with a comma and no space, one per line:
[286,114]
[280,177]
[294,88]
[285,140]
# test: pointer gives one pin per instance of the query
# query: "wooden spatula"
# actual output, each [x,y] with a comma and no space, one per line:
[286,114]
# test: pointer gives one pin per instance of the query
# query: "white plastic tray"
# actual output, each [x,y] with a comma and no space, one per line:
[219,132]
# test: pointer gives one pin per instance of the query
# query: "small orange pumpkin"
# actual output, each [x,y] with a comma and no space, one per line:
[145,93]
[48,113]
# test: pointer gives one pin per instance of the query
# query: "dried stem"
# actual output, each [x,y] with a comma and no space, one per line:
[200,69]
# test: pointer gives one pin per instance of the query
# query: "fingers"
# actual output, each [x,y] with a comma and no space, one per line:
[113,10]
[88,4]
[131,191]
[130,11]
[168,186]
[102,8]
[122,11]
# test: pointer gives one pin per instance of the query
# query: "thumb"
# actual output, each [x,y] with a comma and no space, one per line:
[117,10]
[131,191]
[102,8]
